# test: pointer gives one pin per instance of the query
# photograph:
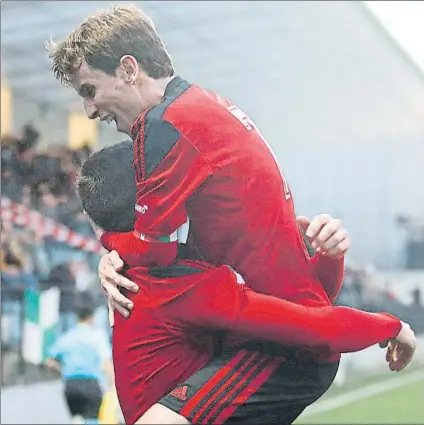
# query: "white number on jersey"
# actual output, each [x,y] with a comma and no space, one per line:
[250,125]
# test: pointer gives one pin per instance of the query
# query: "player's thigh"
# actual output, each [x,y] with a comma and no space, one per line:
[73,396]
[93,397]
[159,414]
[213,394]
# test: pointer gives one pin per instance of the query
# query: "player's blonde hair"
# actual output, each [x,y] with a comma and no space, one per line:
[103,38]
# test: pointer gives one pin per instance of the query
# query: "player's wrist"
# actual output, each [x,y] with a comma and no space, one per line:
[405,332]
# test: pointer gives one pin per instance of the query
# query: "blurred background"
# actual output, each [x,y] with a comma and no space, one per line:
[337,88]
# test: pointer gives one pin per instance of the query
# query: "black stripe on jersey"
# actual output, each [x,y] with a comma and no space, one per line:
[161,136]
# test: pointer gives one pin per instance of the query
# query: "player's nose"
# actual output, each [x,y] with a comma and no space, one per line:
[91,110]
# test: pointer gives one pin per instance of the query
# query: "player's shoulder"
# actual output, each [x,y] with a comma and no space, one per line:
[165,123]
[176,89]
[187,114]
[185,105]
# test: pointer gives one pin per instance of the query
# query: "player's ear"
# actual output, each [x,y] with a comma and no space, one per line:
[128,69]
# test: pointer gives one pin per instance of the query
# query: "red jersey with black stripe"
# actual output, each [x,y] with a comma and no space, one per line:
[197,156]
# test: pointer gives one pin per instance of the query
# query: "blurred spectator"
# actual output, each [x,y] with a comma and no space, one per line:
[417,298]
[85,279]
[62,278]
[42,181]
[17,274]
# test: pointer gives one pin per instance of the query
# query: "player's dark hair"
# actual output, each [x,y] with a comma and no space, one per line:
[85,306]
[106,186]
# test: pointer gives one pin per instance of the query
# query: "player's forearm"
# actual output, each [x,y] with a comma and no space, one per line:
[341,329]
[330,273]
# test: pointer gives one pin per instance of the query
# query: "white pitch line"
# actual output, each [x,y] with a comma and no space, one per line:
[368,391]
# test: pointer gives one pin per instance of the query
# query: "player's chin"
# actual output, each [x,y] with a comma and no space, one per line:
[120,127]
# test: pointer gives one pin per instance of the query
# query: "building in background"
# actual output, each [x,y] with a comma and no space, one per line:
[339,102]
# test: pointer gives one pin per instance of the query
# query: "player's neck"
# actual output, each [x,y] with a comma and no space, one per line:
[154,90]
[162,84]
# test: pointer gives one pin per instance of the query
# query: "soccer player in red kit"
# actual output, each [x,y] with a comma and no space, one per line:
[159,346]
[199,159]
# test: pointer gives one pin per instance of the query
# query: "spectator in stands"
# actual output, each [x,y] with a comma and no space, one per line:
[16,276]
[85,279]
[43,180]
[10,180]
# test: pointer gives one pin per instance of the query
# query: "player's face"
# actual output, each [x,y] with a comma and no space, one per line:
[111,98]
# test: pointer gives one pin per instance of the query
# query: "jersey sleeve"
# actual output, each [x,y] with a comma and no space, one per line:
[330,272]
[168,169]
[219,302]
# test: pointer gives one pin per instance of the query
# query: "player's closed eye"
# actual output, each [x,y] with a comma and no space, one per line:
[87,91]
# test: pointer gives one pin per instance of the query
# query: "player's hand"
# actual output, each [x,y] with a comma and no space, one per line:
[109,266]
[326,235]
[400,350]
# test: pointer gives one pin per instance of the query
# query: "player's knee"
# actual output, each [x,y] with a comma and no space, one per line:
[159,414]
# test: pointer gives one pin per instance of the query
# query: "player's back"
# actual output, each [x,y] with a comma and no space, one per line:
[151,355]
[243,214]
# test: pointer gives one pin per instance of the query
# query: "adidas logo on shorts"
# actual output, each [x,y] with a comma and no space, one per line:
[180,393]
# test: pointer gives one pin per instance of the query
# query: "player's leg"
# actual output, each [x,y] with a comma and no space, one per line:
[92,397]
[73,400]
[216,390]
[159,414]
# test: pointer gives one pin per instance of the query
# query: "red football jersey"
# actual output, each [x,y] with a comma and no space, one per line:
[158,347]
[198,156]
